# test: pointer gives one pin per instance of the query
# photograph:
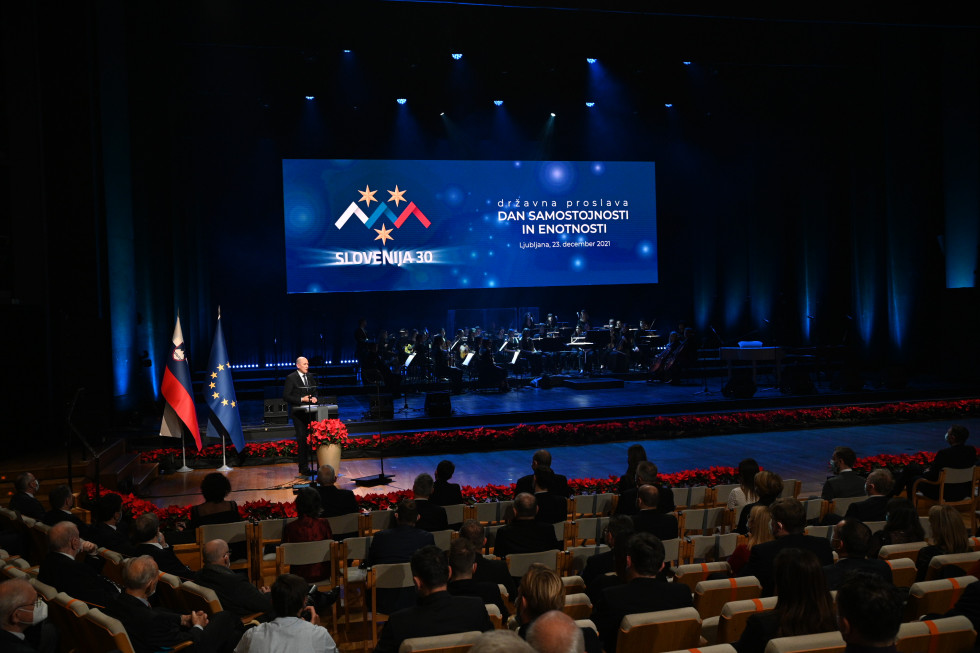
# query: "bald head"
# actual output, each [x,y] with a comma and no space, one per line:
[555,632]
[214,553]
[15,594]
[62,536]
[139,573]
[302,365]
[525,506]
[326,475]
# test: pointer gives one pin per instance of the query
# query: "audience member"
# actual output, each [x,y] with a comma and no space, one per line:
[552,508]
[768,487]
[851,540]
[845,482]
[79,579]
[150,541]
[333,500]
[745,492]
[541,592]
[308,527]
[462,562]
[154,629]
[804,606]
[432,517]
[438,612]
[646,474]
[759,532]
[649,519]
[869,614]
[788,519]
[297,628]
[525,534]
[399,543]
[23,620]
[445,493]
[644,591]
[878,486]
[216,509]
[617,532]
[958,455]
[234,590]
[634,456]
[487,569]
[902,526]
[556,632]
[948,536]
[526,483]
[62,501]
[108,532]
[24,500]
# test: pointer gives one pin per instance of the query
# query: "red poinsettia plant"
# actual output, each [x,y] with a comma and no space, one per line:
[328,431]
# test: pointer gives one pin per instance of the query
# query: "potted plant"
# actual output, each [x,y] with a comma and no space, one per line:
[328,438]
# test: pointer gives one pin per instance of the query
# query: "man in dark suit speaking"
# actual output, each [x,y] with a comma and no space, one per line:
[300,393]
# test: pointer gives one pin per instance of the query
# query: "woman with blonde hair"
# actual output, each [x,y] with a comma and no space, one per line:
[759,532]
[541,591]
[768,487]
[948,536]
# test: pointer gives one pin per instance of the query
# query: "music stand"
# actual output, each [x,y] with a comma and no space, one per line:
[375,378]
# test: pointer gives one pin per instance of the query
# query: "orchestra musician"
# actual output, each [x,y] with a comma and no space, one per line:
[441,367]
[664,360]
[489,374]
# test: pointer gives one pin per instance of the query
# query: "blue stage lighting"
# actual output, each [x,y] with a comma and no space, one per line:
[591,60]
[498,103]
[346,51]
[310,97]
[457,56]
[669,105]
[590,104]
[401,100]
[686,63]
[552,115]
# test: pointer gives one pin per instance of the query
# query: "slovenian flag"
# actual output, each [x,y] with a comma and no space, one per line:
[177,391]
[219,392]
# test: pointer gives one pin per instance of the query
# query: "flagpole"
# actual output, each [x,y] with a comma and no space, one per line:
[183,454]
[224,461]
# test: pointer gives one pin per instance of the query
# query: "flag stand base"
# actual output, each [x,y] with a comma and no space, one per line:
[373,479]
[185,469]
[225,468]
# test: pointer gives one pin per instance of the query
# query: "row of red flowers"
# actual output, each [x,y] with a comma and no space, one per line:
[527,436]
[265,509]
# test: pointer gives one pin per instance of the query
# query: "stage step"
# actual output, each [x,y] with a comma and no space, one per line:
[593,384]
[119,470]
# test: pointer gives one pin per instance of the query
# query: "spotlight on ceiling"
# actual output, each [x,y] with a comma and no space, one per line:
[310,97]
[590,104]
[347,51]
[591,60]
[401,100]
[552,115]
[498,103]
[457,56]
[669,105]
[686,63]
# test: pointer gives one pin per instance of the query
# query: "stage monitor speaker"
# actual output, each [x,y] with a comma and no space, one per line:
[741,386]
[382,407]
[438,404]
[276,411]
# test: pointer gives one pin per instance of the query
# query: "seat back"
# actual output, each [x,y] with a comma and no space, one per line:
[576,557]
[591,505]
[443,538]
[39,541]
[903,571]
[66,614]
[197,597]
[376,520]
[831,642]
[46,591]
[826,532]
[306,553]
[693,574]
[672,551]
[518,563]
[906,550]
[454,643]
[490,513]
[840,505]
[167,590]
[735,614]
[233,533]
[703,521]
[791,488]
[710,547]
[112,567]
[948,634]
[720,494]
[695,496]
[454,514]
[106,633]
[815,509]
[710,596]
[935,596]
[343,526]
[578,606]
[965,561]
[653,632]
[588,530]
[386,576]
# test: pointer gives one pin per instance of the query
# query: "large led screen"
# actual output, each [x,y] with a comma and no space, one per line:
[359,225]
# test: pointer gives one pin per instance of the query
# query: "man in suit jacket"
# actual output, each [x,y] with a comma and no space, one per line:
[646,474]
[438,612]
[846,482]
[18,611]
[649,519]
[150,541]
[487,569]
[445,493]
[24,501]
[958,455]
[643,593]
[462,562]
[788,521]
[62,501]
[107,532]
[334,501]
[234,590]
[869,614]
[153,629]
[618,529]
[852,541]
[432,517]
[300,392]
[397,544]
[525,534]
[526,483]
[552,507]
[77,579]
[875,507]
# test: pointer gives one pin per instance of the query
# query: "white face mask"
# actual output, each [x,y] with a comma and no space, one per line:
[40,613]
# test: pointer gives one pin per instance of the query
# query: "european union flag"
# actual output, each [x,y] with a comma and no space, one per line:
[223,417]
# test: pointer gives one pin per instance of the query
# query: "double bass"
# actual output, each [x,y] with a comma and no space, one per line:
[665,360]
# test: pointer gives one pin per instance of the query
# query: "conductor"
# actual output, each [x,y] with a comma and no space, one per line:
[300,394]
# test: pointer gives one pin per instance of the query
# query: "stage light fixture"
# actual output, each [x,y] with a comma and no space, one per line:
[457,56]
[552,115]
[498,103]
[401,100]
[442,113]
[669,105]
[591,60]
[346,51]
[310,97]
[686,63]
[590,104]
